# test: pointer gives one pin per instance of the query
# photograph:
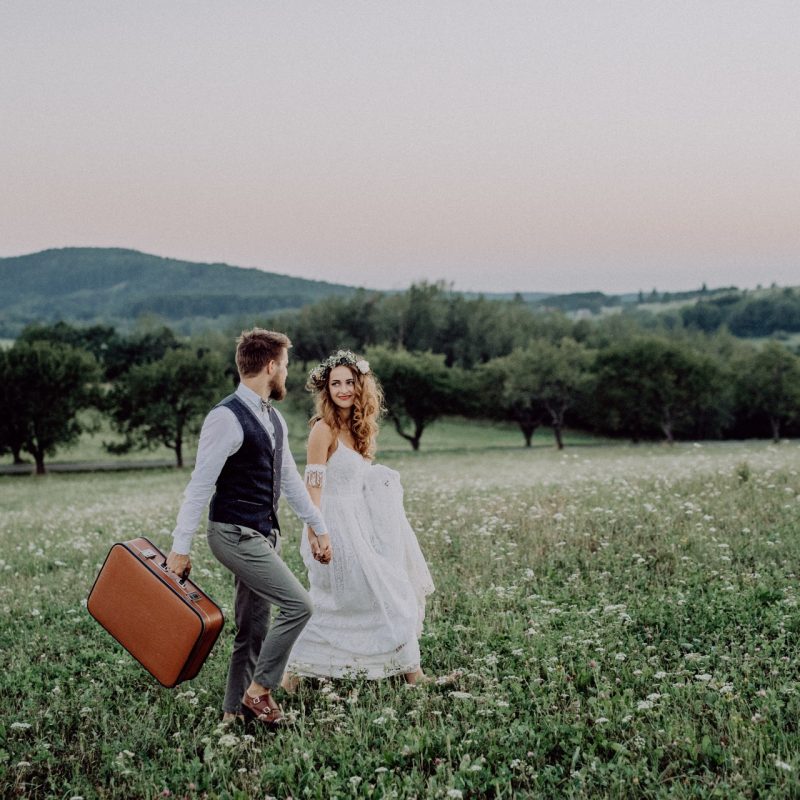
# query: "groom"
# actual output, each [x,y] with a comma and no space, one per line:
[243,451]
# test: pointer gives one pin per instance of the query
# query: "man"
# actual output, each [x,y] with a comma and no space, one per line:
[244,452]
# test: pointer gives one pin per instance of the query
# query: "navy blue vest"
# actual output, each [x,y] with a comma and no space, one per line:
[249,485]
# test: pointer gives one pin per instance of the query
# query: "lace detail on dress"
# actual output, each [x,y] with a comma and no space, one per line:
[315,475]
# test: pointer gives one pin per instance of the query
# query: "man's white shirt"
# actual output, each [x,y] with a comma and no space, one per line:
[220,437]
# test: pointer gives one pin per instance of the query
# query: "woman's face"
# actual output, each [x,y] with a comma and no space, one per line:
[342,387]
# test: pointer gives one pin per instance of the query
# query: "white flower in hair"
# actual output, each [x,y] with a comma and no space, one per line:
[319,375]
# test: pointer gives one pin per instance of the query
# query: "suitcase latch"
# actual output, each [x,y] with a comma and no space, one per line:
[194,596]
[149,553]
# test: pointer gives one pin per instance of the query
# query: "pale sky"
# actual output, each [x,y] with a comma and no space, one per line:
[502,146]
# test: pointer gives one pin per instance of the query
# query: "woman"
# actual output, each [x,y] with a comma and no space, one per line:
[369,602]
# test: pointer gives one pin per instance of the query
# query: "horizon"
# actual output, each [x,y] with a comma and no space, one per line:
[645,292]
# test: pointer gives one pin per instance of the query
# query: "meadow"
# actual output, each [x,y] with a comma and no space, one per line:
[621,621]
[451,434]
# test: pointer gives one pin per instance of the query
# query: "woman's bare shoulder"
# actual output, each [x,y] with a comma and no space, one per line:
[321,432]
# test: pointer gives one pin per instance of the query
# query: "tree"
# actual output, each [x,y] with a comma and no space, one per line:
[418,388]
[143,348]
[496,399]
[96,339]
[45,386]
[12,423]
[545,379]
[650,384]
[165,401]
[769,385]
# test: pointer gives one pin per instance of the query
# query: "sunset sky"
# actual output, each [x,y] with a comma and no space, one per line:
[533,146]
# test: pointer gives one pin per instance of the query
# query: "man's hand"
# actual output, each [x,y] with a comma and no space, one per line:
[180,564]
[320,547]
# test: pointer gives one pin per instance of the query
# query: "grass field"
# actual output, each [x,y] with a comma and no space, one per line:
[624,622]
[448,434]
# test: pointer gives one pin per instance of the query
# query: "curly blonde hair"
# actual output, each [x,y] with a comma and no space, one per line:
[367,409]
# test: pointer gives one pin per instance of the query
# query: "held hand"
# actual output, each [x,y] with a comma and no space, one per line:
[180,564]
[313,543]
[325,550]
[320,546]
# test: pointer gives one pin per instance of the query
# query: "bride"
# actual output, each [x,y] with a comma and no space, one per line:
[369,603]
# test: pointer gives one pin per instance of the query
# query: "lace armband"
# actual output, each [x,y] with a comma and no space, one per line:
[315,475]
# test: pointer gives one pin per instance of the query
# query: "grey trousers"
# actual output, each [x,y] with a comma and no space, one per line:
[260,651]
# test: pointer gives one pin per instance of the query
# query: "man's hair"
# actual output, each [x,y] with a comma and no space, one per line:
[256,348]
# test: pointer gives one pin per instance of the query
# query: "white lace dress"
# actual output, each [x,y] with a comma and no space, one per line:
[369,602]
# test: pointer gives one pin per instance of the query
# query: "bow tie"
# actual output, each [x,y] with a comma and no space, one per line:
[266,405]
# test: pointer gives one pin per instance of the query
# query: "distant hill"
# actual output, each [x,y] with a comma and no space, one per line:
[747,313]
[117,286]
[114,286]
[763,312]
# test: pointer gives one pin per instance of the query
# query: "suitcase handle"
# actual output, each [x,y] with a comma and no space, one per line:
[180,578]
[150,553]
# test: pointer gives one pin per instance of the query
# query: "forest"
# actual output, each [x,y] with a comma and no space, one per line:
[437,353]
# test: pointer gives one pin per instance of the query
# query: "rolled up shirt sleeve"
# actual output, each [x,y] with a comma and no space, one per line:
[294,489]
[220,437]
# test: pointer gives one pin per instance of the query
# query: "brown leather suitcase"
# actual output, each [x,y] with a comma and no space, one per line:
[167,624]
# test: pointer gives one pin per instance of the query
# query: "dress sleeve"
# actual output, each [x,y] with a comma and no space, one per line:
[315,475]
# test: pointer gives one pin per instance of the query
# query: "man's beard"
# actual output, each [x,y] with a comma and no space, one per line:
[277,391]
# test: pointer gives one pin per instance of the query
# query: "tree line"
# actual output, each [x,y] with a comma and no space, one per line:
[745,315]
[435,352]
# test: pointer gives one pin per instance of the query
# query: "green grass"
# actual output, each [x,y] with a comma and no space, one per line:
[451,434]
[624,622]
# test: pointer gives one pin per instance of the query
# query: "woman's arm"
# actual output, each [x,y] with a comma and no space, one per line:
[320,441]
[319,445]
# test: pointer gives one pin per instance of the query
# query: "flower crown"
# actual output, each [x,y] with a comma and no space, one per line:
[318,377]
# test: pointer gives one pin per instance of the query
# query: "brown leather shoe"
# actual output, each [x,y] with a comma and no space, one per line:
[262,708]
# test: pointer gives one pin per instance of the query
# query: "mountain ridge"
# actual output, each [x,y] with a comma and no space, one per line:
[118,285]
